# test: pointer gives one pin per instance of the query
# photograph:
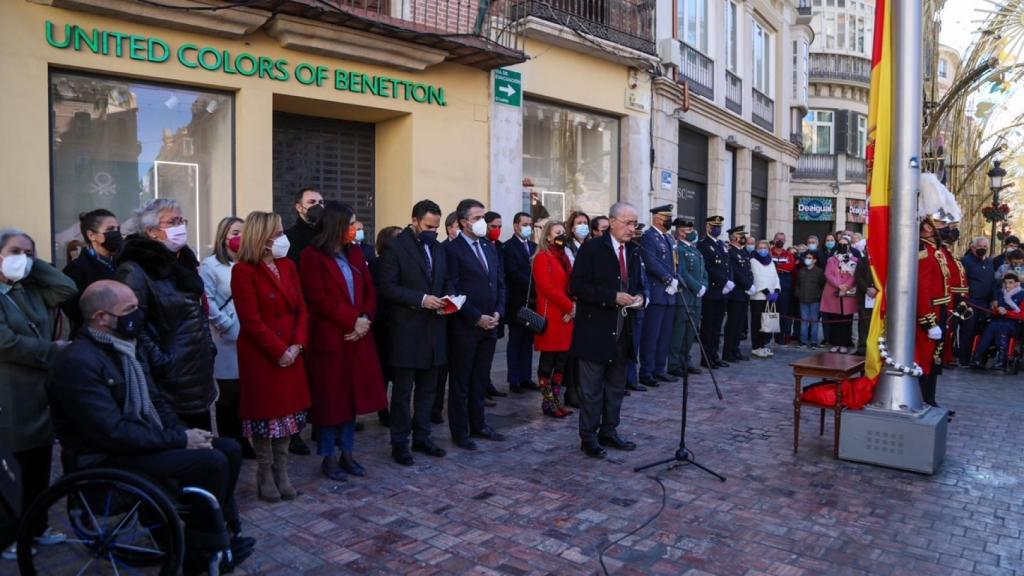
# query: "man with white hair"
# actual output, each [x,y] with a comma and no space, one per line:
[981,285]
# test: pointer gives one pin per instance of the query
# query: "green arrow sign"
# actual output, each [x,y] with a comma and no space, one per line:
[508,87]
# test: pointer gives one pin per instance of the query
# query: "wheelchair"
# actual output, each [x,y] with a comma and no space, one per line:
[120,522]
[1014,351]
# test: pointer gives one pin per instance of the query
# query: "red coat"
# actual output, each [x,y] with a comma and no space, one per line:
[958,293]
[272,316]
[553,302]
[345,377]
[932,297]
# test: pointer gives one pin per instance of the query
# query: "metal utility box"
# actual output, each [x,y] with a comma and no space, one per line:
[884,438]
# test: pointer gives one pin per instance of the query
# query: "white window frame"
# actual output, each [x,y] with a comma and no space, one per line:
[812,121]
[943,68]
[862,136]
[762,42]
[699,16]
[733,25]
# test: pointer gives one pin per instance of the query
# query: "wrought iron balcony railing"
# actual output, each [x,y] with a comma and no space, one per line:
[856,169]
[733,92]
[816,167]
[797,138]
[840,67]
[699,71]
[763,110]
[626,22]
[803,7]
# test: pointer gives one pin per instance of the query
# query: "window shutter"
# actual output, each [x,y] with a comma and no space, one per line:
[851,135]
[841,138]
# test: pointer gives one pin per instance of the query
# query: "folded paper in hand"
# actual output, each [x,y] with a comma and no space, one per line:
[869,302]
[452,304]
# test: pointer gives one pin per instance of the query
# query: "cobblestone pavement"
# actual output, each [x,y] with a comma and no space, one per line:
[536,505]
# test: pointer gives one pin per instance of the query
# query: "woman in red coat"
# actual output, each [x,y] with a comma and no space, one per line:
[344,371]
[551,271]
[273,331]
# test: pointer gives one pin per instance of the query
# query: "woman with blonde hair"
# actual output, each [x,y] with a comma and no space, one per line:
[274,328]
[551,272]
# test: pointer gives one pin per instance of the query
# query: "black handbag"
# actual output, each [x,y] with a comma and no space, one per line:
[527,317]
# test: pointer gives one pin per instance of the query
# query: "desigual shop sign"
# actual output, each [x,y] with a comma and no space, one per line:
[812,209]
[212,59]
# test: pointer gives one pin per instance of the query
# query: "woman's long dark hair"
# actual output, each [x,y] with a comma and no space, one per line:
[332,227]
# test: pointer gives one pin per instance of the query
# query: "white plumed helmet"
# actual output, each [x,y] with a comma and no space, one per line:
[935,201]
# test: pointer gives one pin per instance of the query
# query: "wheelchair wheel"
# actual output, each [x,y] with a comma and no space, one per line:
[116,523]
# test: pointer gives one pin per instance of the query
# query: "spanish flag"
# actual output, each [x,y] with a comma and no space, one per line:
[880,118]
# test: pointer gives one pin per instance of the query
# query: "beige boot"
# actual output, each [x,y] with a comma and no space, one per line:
[284,484]
[266,490]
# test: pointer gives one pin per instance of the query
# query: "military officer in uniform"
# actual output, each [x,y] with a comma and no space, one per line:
[693,280]
[720,284]
[957,309]
[739,299]
[657,249]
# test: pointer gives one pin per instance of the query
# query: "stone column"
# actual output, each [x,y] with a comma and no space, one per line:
[506,163]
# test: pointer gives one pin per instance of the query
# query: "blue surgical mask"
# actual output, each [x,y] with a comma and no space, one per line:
[716,231]
[830,244]
[763,252]
[808,262]
[750,249]
[526,232]
[812,247]
[691,237]
[581,231]
[360,235]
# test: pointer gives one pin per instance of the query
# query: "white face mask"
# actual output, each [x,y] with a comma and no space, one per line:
[526,232]
[16,267]
[860,245]
[808,262]
[581,231]
[480,228]
[177,237]
[280,246]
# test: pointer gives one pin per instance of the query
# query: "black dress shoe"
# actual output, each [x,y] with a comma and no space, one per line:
[489,434]
[359,427]
[494,392]
[677,372]
[648,381]
[721,364]
[349,465]
[330,468]
[617,442]
[400,454]
[635,387]
[664,378]
[384,417]
[436,419]
[516,389]
[429,448]
[297,446]
[467,444]
[593,450]
[694,370]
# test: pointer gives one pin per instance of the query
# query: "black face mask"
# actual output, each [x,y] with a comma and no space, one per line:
[428,237]
[981,252]
[314,213]
[561,240]
[779,244]
[130,325]
[843,248]
[112,240]
[946,234]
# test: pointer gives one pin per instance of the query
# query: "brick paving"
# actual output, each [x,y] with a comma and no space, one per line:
[536,505]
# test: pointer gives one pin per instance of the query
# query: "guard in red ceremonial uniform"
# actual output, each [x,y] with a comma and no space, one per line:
[957,308]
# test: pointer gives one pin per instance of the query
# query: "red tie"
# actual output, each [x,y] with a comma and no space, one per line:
[623,271]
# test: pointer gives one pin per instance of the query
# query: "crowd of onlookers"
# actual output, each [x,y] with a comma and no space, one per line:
[145,355]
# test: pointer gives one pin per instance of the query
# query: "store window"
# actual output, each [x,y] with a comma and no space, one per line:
[117,143]
[570,160]
[817,129]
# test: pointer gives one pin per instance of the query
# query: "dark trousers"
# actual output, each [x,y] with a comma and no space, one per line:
[841,331]
[633,366]
[863,328]
[470,367]
[35,465]
[229,425]
[785,307]
[758,339]
[214,470]
[415,387]
[572,380]
[928,384]
[519,354]
[199,420]
[684,334]
[440,393]
[997,333]
[603,386]
[712,314]
[735,324]
[552,363]
[655,339]
[968,331]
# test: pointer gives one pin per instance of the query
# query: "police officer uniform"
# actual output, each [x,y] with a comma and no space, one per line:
[738,300]
[657,250]
[720,284]
[693,279]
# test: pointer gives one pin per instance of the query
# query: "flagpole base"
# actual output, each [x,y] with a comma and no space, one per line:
[899,440]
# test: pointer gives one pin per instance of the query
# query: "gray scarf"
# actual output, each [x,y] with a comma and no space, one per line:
[138,405]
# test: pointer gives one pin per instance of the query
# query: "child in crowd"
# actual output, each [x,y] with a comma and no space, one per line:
[810,282]
[1006,314]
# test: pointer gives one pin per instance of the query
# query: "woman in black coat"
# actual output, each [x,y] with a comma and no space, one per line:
[381,333]
[102,234]
[163,273]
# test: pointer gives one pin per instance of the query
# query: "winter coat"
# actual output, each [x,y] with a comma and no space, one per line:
[87,390]
[838,273]
[176,340]
[551,280]
[344,377]
[84,270]
[273,317]
[766,277]
[810,283]
[224,324]
[27,352]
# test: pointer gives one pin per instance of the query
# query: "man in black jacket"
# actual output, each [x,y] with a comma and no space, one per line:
[309,204]
[606,279]
[107,412]
[413,279]
[738,299]
[516,253]
[720,284]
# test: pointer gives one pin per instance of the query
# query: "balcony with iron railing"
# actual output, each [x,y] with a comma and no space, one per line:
[629,23]
[763,110]
[856,169]
[733,92]
[816,167]
[803,7]
[840,68]
[797,138]
[698,70]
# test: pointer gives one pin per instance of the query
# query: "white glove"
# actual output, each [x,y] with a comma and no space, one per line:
[703,289]
[675,284]
[935,333]
[729,285]
[673,287]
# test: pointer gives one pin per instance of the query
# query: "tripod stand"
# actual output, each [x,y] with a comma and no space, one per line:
[684,455]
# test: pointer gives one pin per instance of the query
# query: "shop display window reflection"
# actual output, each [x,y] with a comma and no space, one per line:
[570,161]
[117,143]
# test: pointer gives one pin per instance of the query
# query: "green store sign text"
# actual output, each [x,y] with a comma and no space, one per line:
[151,49]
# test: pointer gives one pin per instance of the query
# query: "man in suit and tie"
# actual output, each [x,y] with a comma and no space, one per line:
[606,279]
[658,253]
[716,260]
[413,279]
[475,271]
[516,253]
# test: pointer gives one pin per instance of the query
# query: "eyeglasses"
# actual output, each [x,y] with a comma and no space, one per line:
[629,223]
[173,222]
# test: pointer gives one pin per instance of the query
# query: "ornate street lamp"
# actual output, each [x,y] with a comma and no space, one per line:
[995,177]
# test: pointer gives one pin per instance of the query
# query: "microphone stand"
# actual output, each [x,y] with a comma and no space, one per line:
[684,455]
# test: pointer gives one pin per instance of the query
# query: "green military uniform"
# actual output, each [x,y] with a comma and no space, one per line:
[693,277]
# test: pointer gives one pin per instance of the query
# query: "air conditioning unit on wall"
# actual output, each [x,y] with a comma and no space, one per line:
[669,52]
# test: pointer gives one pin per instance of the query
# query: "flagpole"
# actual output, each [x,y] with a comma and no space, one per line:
[897,390]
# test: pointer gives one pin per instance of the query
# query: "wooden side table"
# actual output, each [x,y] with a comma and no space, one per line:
[830,367]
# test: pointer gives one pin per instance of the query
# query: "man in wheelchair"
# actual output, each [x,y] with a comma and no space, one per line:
[1005,323]
[108,413]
